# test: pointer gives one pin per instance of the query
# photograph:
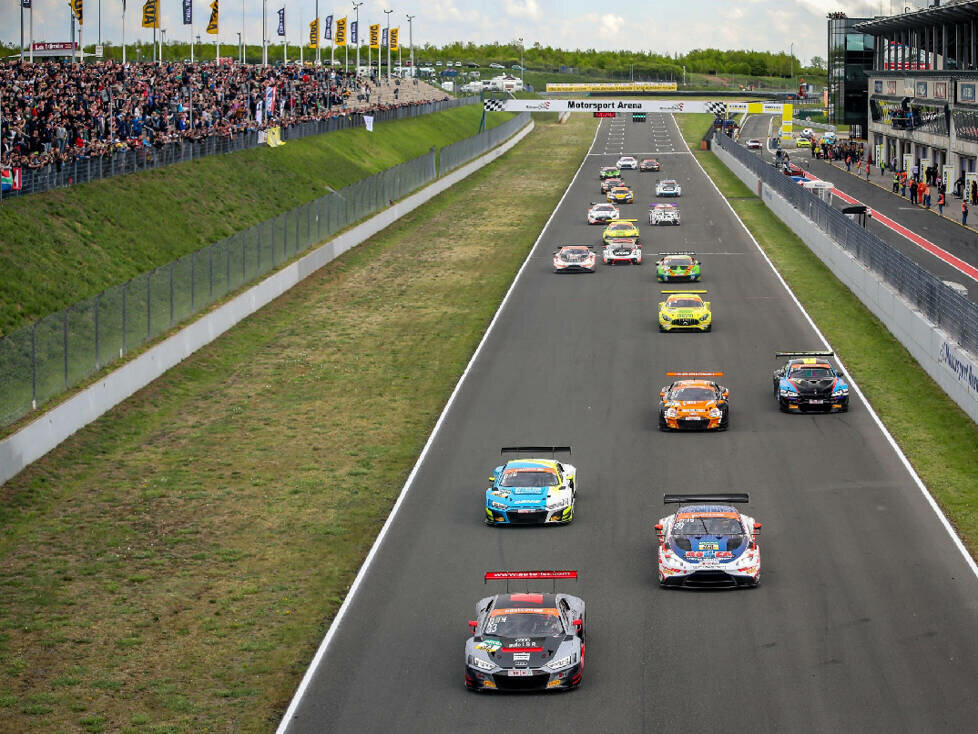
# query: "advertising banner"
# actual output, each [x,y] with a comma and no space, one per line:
[394,41]
[716,107]
[151,14]
[213,21]
[188,12]
[341,32]
[613,87]
[375,36]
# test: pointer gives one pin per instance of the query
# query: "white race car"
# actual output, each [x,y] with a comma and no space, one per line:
[708,543]
[754,144]
[664,214]
[622,250]
[629,162]
[602,213]
[668,187]
[574,259]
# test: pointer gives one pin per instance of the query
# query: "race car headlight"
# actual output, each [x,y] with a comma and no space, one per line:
[715,413]
[665,317]
[671,412]
[559,504]
[840,392]
[705,317]
[559,663]
[497,505]
[785,393]
[480,663]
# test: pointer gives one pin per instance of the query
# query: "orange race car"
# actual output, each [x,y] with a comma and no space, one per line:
[694,403]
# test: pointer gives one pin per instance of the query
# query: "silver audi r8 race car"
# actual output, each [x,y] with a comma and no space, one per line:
[600,213]
[664,214]
[707,542]
[668,187]
[622,250]
[530,641]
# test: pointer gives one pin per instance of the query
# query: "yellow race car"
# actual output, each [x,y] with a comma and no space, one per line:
[620,228]
[685,310]
[803,143]
[621,195]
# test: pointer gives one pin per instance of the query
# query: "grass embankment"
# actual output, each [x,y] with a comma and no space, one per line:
[173,566]
[61,247]
[938,438]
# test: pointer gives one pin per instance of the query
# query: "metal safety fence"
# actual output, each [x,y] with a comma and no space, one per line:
[52,355]
[452,156]
[941,304]
[85,170]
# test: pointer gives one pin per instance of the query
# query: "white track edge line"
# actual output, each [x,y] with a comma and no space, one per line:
[955,538]
[365,566]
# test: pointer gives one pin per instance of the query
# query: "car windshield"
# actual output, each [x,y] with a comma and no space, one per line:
[810,373]
[649,161]
[529,478]
[668,183]
[619,190]
[697,394]
[685,303]
[604,208]
[524,622]
[678,262]
[708,526]
[574,252]
[624,227]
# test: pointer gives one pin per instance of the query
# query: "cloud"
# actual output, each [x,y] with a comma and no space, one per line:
[523,9]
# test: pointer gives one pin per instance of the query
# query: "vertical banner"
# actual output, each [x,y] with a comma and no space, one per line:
[269,101]
[375,36]
[25,4]
[383,39]
[77,9]
[213,22]
[394,34]
[368,120]
[314,34]
[281,22]
[188,12]
[328,30]
[340,32]
[151,14]
[353,32]
[259,107]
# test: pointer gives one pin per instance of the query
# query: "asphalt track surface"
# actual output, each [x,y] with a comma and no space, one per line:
[944,233]
[866,616]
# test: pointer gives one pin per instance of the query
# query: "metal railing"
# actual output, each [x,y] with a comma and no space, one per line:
[941,304]
[41,361]
[37,180]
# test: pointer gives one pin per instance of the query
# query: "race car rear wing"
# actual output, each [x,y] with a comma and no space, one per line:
[552,450]
[685,291]
[508,576]
[804,354]
[694,374]
[626,220]
[678,253]
[678,499]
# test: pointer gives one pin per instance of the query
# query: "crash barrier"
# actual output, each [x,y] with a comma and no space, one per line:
[40,436]
[452,156]
[58,352]
[803,123]
[37,180]
[935,323]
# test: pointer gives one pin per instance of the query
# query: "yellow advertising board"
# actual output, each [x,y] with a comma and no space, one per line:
[613,87]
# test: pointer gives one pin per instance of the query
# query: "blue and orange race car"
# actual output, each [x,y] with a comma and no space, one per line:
[532,491]
[808,383]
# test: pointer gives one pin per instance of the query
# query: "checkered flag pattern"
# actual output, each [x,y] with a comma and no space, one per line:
[493,105]
[719,109]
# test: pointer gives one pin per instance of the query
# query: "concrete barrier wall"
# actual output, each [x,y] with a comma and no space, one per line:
[951,367]
[41,435]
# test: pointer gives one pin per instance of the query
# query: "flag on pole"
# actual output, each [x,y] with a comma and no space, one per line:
[314,34]
[328,30]
[151,14]
[10,179]
[213,22]
[368,120]
[341,32]
[375,36]
[269,101]
[394,46]
[383,38]
[76,7]
[188,12]
[353,32]
[281,22]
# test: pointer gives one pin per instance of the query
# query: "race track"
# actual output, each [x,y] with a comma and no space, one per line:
[866,616]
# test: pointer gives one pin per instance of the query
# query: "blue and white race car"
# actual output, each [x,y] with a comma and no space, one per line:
[808,383]
[707,542]
[532,491]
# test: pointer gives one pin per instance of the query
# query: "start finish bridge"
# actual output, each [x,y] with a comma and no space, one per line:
[716,107]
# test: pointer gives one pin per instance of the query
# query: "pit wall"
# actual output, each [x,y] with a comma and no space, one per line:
[953,368]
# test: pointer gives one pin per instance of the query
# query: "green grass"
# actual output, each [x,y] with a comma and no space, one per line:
[64,246]
[155,568]
[939,439]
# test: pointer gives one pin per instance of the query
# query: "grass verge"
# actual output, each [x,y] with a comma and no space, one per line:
[63,246]
[172,567]
[939,439]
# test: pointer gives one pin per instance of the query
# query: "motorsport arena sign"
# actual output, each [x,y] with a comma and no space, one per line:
[669,106]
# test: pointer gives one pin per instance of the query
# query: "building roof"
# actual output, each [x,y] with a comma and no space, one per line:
[947,12]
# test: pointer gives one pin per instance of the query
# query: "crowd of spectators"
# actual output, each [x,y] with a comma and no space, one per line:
[56,112]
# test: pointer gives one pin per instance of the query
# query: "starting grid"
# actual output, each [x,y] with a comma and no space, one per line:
[718,108]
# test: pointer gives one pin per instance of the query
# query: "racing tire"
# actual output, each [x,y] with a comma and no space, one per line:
[663,426]
[708,329]
[662,581]
[783,406]
[662,329]
[724,421]
[755,583]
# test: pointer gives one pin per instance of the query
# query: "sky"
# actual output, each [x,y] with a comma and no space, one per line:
[656,25]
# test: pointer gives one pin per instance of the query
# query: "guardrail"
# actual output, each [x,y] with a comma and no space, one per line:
[45,359]
[941,304]
[35,181]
